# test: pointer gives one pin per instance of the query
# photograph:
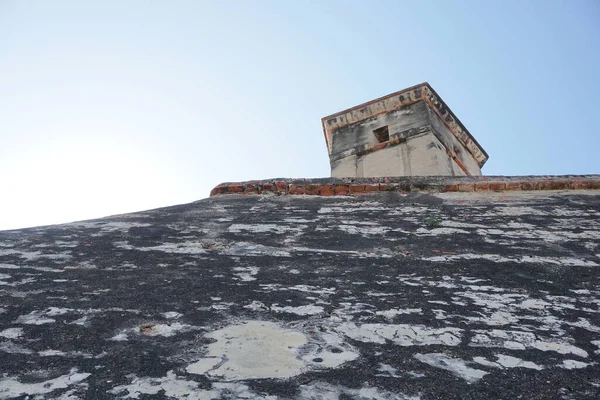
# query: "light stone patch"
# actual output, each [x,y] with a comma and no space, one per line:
[456,366]
[254,350]
[51,353]
[376,253]
[172,315]
[349,209]
[120,337]
[299,310]
[265,228]
[172,385]
[574,364]
[261,349]
[256,306]
[326,391]
[519,340]
[401,334]
[439,231]
[521,259]
[513,211]
[299,288]
[254,250]
[457,224]
[42,317]
[485,362]
[189,247]
[109,226]
[166,330]
[12,333]
[297,220]
[387,371]
[392,313]
[14,348]
[363,230]
[35,255]
[497,318]
[514,362]
[11,387]
[246,274]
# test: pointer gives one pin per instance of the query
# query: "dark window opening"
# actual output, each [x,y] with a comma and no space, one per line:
[382,134]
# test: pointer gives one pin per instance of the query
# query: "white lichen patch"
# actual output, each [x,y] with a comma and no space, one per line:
[12,387]
[254,250]
[119,337]
[456,366]
[519,340]
[264,228]
[11,333]
[203,365]
[172,385]
[513,211]
[172,315]
[35,255]
[14,348]
[401,334]
[392,313]
[376,253]
[253,350]
[497,318]
[300,288]
[299,310]
[246,274]
[439,231]
[363,229]
[387,370]
[349,209]
[261,349]
[505,361]
[166,330]
[568,261]
[51,353]
[257,306]
[42,317]
[574,364]
[514,362]
[108,226]
[176,387]
[326,391]
[186,247]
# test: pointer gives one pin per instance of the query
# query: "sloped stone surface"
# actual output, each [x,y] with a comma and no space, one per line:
[384,296]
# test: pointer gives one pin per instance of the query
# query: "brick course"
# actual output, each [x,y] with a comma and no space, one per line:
[359,186]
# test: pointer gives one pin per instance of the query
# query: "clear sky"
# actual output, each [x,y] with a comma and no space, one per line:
[118,106]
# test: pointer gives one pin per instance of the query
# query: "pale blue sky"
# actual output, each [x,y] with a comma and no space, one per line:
[118,106]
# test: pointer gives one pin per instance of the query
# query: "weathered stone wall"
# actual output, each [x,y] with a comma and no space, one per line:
[410,293]
[419,145]
[418,122]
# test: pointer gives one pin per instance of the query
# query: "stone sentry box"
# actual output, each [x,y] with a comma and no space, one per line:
[407,133]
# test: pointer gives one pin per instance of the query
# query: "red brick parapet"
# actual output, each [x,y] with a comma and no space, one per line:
[432,184]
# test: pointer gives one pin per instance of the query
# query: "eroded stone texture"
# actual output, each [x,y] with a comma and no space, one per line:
[384,296]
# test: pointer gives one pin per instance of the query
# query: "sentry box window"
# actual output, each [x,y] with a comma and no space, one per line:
[382,134]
